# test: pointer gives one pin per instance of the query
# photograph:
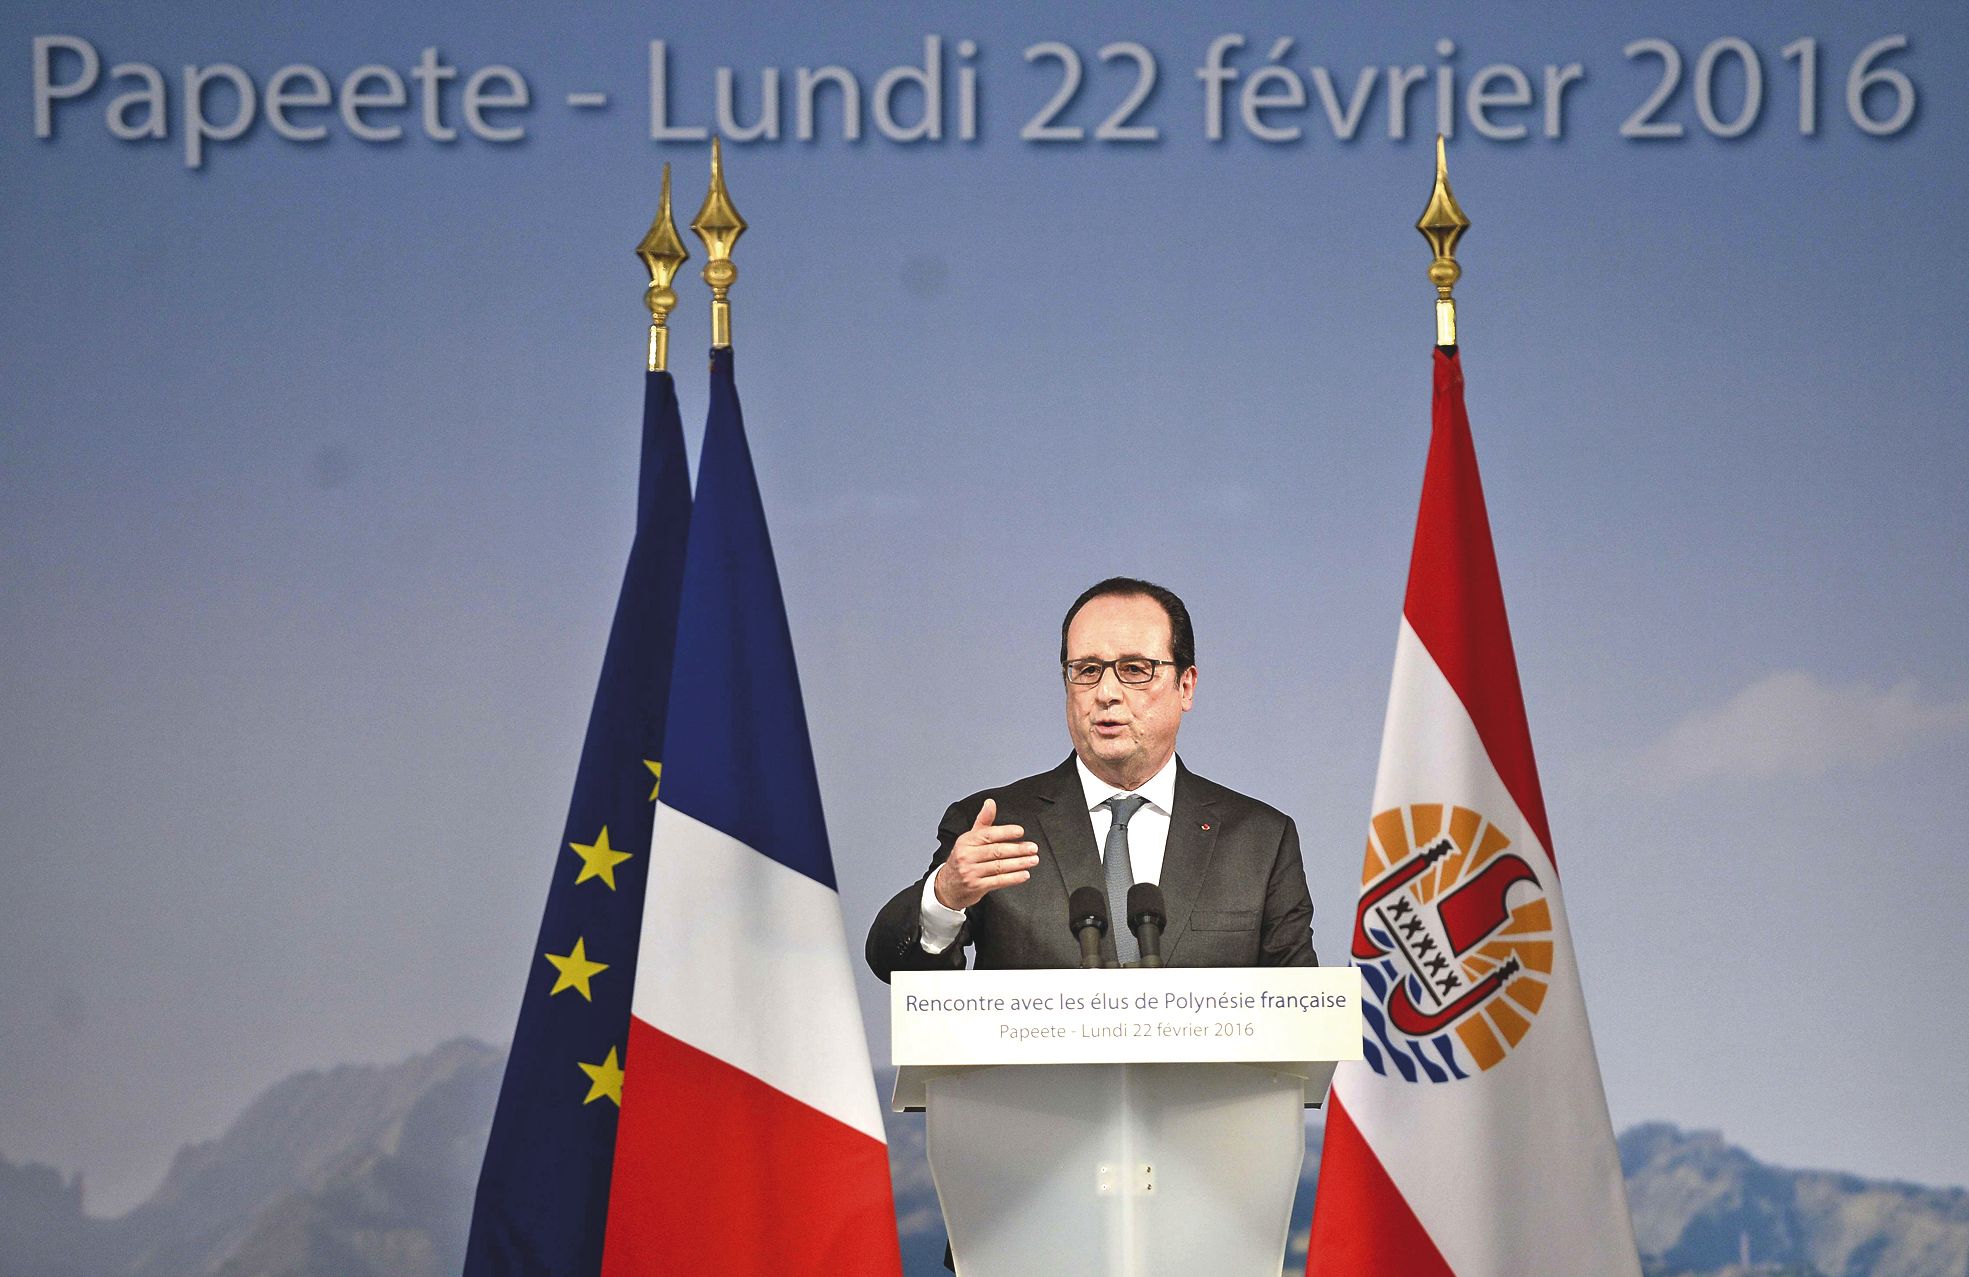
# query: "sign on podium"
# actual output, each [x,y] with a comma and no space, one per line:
[1139,1123]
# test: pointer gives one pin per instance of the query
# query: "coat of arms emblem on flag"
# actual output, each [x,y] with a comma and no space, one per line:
[1453,937]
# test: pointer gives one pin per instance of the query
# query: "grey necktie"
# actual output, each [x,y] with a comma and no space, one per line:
[1121,874]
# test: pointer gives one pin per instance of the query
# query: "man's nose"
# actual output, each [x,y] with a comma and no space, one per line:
[1108,690]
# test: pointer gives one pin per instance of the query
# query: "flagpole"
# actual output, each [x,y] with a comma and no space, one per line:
[1442,224]
[718,224]
[662,251]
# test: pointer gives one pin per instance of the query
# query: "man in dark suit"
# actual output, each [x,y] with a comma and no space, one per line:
[1008,859]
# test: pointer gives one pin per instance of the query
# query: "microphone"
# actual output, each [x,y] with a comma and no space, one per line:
[1146,916]
[1087,917]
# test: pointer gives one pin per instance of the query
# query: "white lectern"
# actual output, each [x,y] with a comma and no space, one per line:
[1132,1123]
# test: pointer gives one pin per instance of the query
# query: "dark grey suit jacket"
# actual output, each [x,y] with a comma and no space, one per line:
[1232,882]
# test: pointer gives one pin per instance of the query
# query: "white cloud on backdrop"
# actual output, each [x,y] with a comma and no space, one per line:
[1789,723]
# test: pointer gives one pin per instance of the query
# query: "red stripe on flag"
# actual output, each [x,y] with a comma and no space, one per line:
[1455,601]
[717,1172]
[1362,1225]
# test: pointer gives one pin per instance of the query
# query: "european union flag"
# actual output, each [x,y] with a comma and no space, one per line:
[543,1189]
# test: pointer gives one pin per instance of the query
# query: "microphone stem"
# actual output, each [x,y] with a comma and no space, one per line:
[1090,948]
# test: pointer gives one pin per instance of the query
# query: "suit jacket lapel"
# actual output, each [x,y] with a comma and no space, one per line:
[1186,857]
[1069,841]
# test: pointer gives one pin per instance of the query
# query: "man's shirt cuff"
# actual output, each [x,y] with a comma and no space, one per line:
[940,924]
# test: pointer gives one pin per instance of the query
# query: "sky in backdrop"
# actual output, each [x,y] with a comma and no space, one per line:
[317,473]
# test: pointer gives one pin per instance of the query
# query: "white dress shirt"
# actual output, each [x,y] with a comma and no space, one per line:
[1148,839]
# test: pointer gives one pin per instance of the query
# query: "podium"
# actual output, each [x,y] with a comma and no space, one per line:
[1137,1123]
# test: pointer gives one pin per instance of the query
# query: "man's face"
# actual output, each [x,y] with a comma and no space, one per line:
[1125,734]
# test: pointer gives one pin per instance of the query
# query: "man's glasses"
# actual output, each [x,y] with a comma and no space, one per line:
[1133,671]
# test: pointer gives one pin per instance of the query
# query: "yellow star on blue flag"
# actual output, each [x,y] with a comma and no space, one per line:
[576,971]
[598,859]
[605,1079]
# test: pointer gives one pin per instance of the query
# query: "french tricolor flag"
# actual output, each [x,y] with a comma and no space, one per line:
[1472,1141]
[750,1139]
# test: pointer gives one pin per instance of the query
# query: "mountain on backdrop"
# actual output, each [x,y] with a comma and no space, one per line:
[367,1171]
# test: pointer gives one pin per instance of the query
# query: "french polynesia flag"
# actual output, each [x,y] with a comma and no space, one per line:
[750,1139]
[1473,1140]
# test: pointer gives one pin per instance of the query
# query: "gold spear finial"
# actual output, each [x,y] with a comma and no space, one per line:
[719,226]
[1442,225]
[662,251]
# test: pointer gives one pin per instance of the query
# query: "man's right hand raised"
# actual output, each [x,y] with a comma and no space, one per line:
[984,858]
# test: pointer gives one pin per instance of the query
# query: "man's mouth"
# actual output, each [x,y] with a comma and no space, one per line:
[1109,726]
